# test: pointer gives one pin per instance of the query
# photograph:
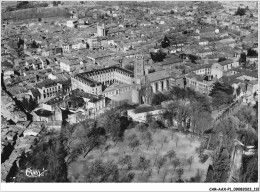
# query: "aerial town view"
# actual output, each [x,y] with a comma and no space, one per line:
[129,91]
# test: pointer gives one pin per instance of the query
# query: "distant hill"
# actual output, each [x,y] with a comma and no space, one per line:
[32,13]
[4,4]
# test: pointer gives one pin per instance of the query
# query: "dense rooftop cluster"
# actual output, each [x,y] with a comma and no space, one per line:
[87,57]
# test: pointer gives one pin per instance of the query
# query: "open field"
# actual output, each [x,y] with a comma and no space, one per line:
[184,150]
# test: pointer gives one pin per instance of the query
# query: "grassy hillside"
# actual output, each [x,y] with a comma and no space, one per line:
[183,148]
[36,13]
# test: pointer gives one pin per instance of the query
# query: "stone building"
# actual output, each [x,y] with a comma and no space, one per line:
[101,30]
[86,84]
[163,80]
[91,82]
[48,89]
[199,83]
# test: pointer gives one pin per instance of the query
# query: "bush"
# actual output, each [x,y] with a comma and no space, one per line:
[240,11]
[158,57]
[222,59]
[251,52]
[9,8]
[159,98]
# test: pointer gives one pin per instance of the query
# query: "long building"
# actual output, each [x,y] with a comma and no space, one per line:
[92,81]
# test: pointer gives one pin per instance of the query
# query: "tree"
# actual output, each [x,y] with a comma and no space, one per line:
[180,172]
[249,172]
[210,174]
[183,115]
[125,161]
[20,44]
[162,140]
[228,128]
[171,154]
[220,99]
[165,43]
[39,19]
[158,56]
[176,162]
[154,126]
[222,59]
[23,5]
[131,138]
[34,45]
[200,122]
[129,178]
[157,153]
[172,133]
[193,58]
[242,58]
[245,114]
[107,147]
[178,92]
[141,127]
[99,171]
[9,8]
[176,138]
[56,3]
[160,161]
[148,175]
[148,139]
[221,87]
[251,52]
[129,67]
[151,70]
[221,94]
[29,104]
[164,174]
[190,160]
[135,143]
[49,155]
[158,98]
[240,11]
[144,164]
[115,125]
[197,177]
[85,137]
[202,103]
[191,138]
[221,167]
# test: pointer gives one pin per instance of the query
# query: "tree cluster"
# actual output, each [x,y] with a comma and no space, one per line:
[158,56]
[99,171]
[222,94]
[240,11]
[29,104]
[158,98]
[195,115]
[252,52]
[222,59]
[34,45]
[28,4]
[56,3]
[9,8]
[48,155]
[165,43]
[20,43]
[193,58]
[83,138]
[129,67]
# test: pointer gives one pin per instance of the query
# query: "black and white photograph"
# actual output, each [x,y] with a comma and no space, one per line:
[140,92]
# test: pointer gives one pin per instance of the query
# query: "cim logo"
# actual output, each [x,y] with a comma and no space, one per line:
[34,172]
